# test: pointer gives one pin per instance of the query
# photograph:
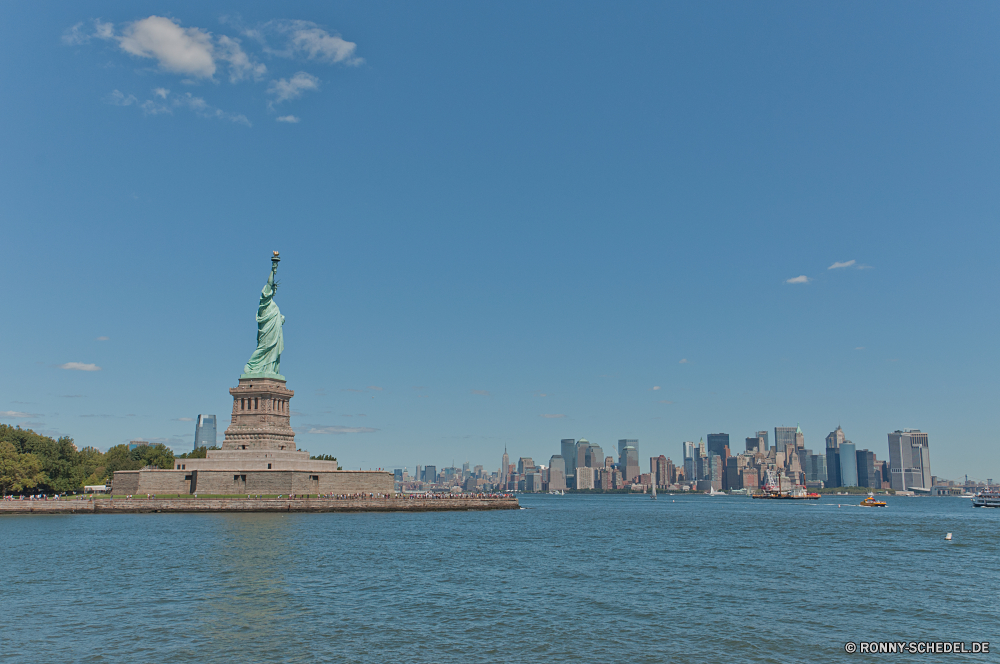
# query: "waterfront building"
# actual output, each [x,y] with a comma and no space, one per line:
[585,478]
[731,476]
[715,471]
[533,482]
[658,469]
[567,449]
[557,473]
[784,437]
[627,442]
[204,431]
[832,466]
[629,461]
[594,456]
[690,469]
[909,460]
[867,476]
[718,443]
[816,468]
[582,448]
[848,464]
[525,465]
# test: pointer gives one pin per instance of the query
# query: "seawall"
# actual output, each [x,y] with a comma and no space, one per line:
[189,505]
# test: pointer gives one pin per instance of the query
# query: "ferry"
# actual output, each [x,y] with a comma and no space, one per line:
[871,502]
[987,498]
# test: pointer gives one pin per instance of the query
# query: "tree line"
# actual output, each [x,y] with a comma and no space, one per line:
[32,463]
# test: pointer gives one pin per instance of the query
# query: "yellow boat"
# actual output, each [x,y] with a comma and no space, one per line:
[871,502]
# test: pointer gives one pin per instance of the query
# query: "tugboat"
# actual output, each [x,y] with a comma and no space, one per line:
[987,498]
[871,502]
[772,490]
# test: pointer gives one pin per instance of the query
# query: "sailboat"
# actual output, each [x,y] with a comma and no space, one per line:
[654,491]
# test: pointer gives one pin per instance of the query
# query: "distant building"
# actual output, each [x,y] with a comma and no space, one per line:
[594,456]
[784,437]
[762,435]
[629,461]
[585,478]
[132,444]
[757,443]
[525,465]
[718,443]
[204,431]
[504,468]
[568,451]
[557,473]
[832,466]
[835,439]
[397,475]
[582,452]
[848,464]
[715,471]
[909,460]
[689,463]
[430,474]
[627,442]
[658,469]
[867,474]
[533,482]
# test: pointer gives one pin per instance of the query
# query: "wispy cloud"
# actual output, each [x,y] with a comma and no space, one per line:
[79,366]
[285,89]
[801,279]
[839,265]
[333,430]
[375,387]
[552,416]
[18,414]
[183,419]
[165,103]
[665,401]
[656,387]
[483,393]
[859,348]
[683,361]
[291,119]
[101,339]
[72,396]
[306,39]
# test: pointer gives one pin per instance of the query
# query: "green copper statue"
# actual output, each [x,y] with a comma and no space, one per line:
[266,360]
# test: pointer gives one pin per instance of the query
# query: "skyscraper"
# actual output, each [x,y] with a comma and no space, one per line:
[717,444]
[595,456]
[867,475]
[626,442]
[430,473]
[835,439]
[582,450]
[848,464]
[763,436]
[690,467]
[909,460]
[504,468]
[629,461]
[557,473]
[204,431]
[784,437]
[568,451]
[525,466]
[833,467]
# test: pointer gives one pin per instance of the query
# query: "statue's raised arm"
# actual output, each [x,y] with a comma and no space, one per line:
[266,360]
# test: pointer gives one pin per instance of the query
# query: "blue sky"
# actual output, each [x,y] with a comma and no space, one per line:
[506,223]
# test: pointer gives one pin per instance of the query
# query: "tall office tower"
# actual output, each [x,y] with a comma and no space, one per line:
[816,468]
[715,471]
[585,477]
[718,444]
[701,448]
[835,439]
[557,473]
[204,431]
[784,437]
[465,469]
[525,466]
[595,456]
[658,469]
[763,436]
[430,474]
[800,438]
[690,467]
[867,475]
[568,451]
[848,464]
[626,442]
[629,461]
[478,471]
[504,468]
[671,472]
[609,462]
[909,460]
[833,467]
[580,456]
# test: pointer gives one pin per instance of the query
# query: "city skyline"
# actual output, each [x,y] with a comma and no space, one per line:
[493,232]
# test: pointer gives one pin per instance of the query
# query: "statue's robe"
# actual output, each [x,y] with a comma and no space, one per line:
[270,341]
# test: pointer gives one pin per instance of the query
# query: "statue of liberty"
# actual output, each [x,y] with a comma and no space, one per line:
[266,360]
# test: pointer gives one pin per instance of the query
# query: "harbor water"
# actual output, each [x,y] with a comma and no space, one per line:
[581,578]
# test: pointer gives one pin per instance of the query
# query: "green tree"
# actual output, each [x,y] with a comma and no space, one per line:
[18,472]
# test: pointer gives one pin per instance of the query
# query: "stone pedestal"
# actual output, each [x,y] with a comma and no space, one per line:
[261,416]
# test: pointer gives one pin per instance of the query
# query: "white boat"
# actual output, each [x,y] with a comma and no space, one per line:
[713,492]
[654,491]
[987,498]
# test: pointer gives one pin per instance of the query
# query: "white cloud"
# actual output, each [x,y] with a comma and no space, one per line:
[292,88]
[291,119]
[161,92]
[801,279]
[79,366]
[103,30]
[202,108]
[117,98]
[77,35]
[241,65]
[859,348]
[683,361]
[179,50]
[553,416]
[838,265]
[312,428]
[656,387]
[164,102]
[318,44]
[17,414]
[184,419]
[102,339]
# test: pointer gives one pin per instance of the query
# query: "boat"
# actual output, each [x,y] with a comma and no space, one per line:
[871,502]
[987,498]
[713,492]
[772,490]
[654,491]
